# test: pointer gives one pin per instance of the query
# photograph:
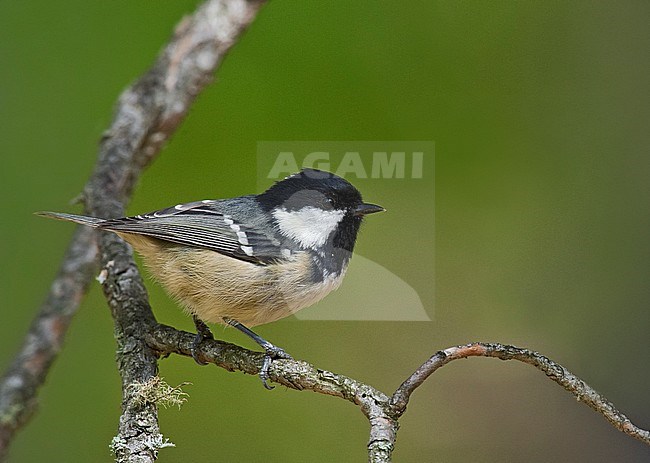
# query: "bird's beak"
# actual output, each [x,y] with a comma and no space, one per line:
[367,208]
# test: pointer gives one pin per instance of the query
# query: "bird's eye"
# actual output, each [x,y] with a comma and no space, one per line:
[327,204]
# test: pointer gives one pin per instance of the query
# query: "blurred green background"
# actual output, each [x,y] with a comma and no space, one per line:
[539,112]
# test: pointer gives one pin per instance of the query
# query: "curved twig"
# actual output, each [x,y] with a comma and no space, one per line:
[383,412]
[555,371]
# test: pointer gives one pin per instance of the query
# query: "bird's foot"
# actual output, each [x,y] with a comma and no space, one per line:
[271,351]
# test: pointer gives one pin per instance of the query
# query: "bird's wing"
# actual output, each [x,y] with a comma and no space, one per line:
[201,224]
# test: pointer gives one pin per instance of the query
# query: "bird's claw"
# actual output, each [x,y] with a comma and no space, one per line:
[272,353]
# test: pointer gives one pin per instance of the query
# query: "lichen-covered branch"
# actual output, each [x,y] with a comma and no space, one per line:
[383,412]
[293,374]
[147,113]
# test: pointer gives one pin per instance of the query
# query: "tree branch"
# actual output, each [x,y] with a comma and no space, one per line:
[293,374]
[383,412]
[582,391]
[147,114]
[20,383]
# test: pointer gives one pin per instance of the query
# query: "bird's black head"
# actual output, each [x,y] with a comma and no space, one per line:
[317,208]
[311,187]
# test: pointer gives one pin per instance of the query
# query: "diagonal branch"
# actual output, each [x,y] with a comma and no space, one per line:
[147,114]
[20,383]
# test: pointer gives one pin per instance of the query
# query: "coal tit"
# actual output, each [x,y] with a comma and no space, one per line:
[249,260]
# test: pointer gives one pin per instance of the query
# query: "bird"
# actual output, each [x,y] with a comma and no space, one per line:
[248,260]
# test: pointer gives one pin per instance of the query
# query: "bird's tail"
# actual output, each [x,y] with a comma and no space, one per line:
[82,219]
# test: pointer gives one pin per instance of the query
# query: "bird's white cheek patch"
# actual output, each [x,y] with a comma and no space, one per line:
[309,226]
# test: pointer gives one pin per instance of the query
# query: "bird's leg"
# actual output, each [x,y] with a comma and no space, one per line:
[202,333]
[272,351]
